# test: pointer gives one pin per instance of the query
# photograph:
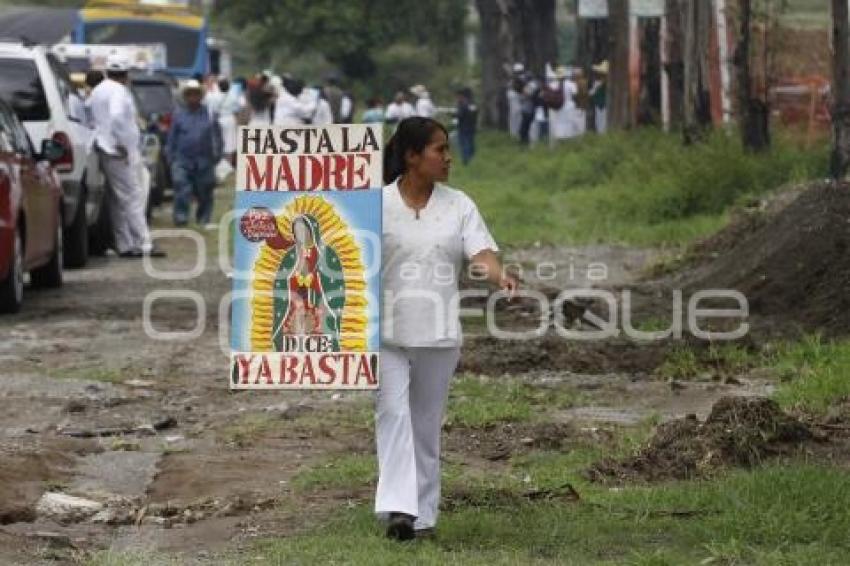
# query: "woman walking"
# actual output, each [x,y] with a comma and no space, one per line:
[429,229]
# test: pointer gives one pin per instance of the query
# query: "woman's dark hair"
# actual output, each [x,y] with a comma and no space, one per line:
[413,134]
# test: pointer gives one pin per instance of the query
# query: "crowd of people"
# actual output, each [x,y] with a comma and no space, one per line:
[555,106]
[283,100]
[202,135]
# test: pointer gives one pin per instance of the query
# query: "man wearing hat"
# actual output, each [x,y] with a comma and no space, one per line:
[117,137]
[398,109]
[599,95]
[563,122]
[193,149]
[424,107]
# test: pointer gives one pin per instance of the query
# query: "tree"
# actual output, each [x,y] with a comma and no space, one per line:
[753,112]
[696,26]
[512,31]
[592,48]
[348,34]
[619,104]
[675,66]
[840,159]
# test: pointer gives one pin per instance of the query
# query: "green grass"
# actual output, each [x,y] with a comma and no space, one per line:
[774,515]
[247,429]
[718,360]
[346,471]
[642,187]
[481,401]
[815,374]
[679,363]
[807,13]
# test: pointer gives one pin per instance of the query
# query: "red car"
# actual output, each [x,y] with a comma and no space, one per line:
[30,212]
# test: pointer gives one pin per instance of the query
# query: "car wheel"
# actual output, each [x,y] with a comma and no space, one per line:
[12,288]
[50,275]
[77,237]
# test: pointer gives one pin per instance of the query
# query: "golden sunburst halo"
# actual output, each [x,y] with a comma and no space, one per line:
[336,235]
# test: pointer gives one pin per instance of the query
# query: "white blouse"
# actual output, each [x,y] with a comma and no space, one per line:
[422,259]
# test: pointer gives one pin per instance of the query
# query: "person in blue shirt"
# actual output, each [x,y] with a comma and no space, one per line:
[467,124]
[193,149]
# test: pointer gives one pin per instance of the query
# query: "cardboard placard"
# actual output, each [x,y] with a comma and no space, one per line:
[307,247]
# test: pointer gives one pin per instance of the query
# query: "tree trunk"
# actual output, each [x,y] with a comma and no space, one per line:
[512,31]
[753,111]
[840,160]
[592,49]
[649,101]
[675,66]
[539,33]
[619,114]
[495,53]
[697,15]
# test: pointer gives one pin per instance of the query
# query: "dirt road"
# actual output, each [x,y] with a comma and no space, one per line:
[163,457]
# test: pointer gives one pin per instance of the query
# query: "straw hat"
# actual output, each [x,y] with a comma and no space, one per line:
[419,91]
[601,68]
[192,84]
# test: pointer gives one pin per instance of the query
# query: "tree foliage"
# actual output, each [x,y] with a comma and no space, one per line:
[348,34]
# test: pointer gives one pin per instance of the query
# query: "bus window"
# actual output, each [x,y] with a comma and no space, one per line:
[181,43]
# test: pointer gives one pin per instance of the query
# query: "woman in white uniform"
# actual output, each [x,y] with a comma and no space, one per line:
[429,229]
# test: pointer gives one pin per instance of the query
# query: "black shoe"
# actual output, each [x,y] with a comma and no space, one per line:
[155,252]
[401,527]
[131,254]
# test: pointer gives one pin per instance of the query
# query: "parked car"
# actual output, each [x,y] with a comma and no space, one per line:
[155,100]
[31,234]
[38,88]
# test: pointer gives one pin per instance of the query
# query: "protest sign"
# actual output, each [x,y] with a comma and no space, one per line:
[305,310]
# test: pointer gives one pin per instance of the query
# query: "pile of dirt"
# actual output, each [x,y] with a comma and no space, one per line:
[739,432]
[792,264]
[499,442]
[488,355]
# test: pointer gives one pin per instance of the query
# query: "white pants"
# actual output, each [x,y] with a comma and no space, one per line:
[227,122]
[601,120]
[128,201]
[410,406]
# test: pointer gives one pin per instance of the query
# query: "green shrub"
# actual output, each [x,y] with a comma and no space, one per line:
[641,187]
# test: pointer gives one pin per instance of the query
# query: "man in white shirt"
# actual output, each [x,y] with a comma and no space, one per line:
[398,109]
[563,123]
[346,109]
[118,138]
[424,107]
[295,104]
[323,115]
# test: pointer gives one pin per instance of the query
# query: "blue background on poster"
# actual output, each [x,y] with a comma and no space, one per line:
[360,210]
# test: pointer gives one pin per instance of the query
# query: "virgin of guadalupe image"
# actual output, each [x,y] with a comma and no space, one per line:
[309,287]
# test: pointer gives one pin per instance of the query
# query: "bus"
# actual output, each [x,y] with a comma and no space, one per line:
[181,29]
